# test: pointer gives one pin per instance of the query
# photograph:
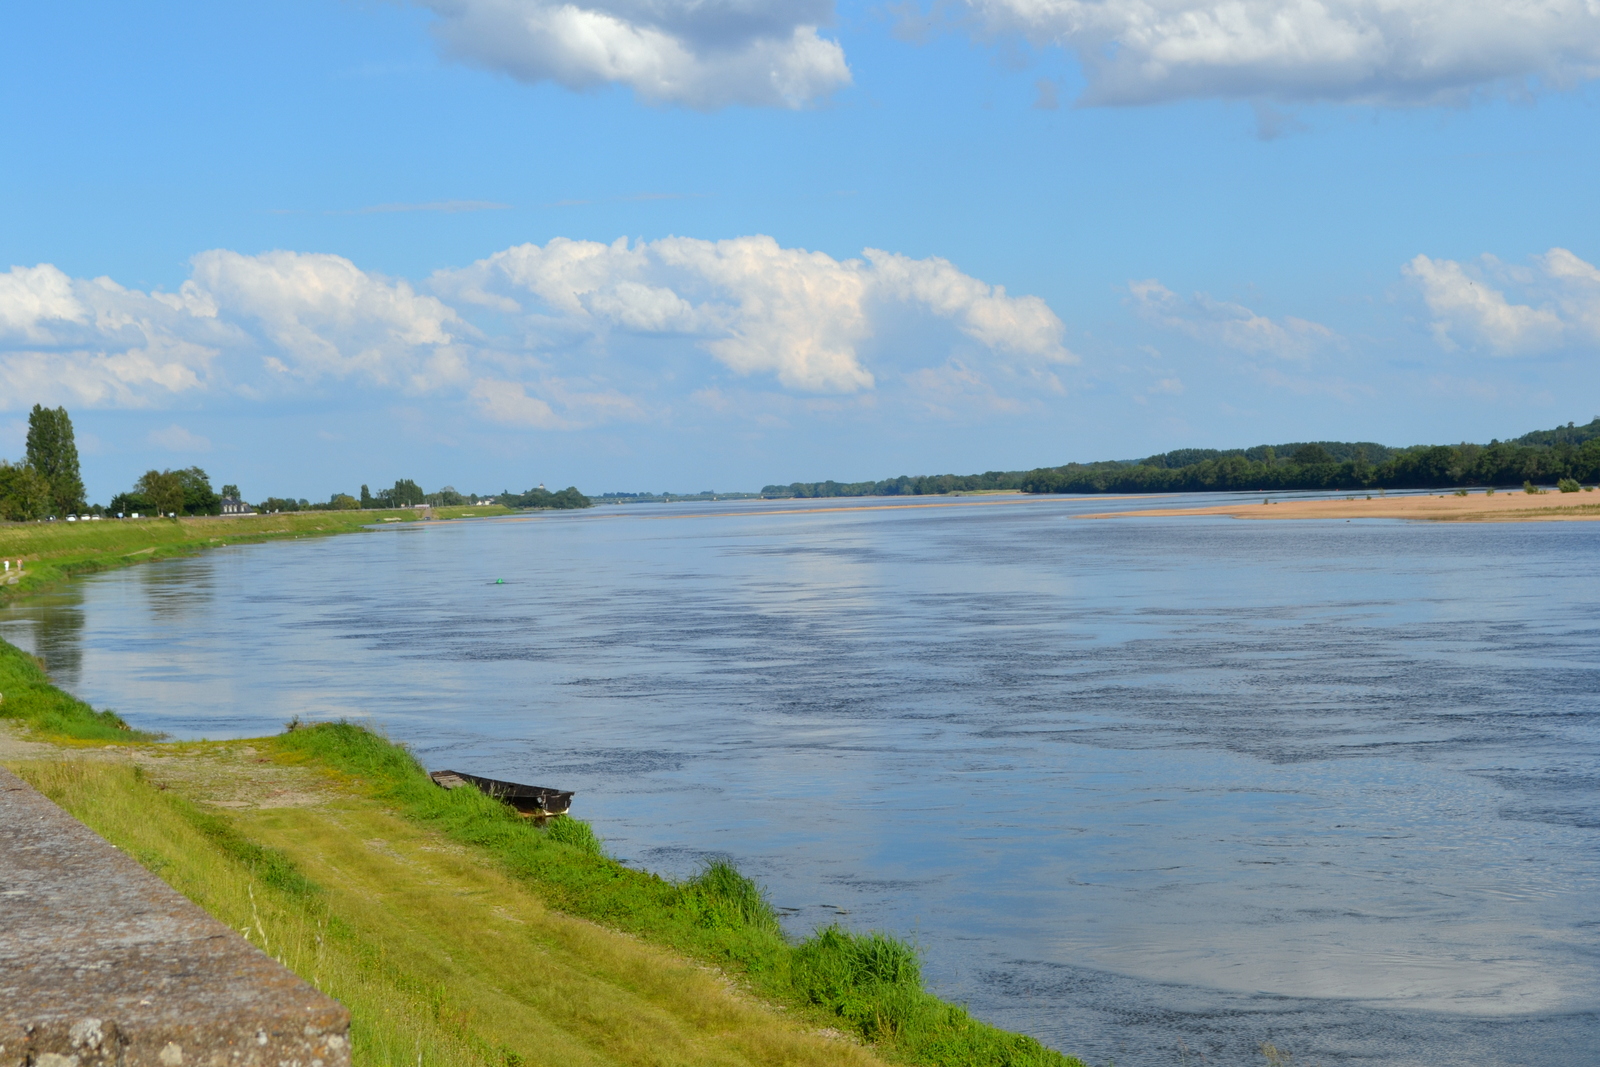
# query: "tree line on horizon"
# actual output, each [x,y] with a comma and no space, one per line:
[406,493]
[48,484]
[1543,457]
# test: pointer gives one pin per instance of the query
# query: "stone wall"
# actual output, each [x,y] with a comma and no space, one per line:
[102,964]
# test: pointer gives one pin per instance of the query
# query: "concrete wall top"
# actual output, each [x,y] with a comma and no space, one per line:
[102,964]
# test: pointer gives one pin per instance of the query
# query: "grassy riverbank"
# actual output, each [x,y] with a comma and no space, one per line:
[443,959]
[461,935]
[53,551]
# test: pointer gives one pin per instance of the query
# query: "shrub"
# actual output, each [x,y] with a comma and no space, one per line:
[1568,485]
[1531,489]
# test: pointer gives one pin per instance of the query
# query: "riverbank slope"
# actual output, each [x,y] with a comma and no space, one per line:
[42,554]
[443,959]
[461,935]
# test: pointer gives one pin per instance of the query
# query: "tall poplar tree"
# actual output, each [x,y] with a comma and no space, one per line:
[53,452]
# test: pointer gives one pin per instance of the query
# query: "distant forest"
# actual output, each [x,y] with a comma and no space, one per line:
[1543,457]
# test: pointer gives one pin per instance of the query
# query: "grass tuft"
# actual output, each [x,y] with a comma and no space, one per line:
[724,899]
[574,833]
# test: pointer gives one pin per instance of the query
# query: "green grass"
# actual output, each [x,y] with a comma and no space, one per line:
[55,551]
[867,983]
[442,960]
[27,696]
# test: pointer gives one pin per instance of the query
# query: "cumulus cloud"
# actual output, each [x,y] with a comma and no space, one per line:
[569,334]
[1561,295]
[94,342]
[1227,325]
[703,54]
[756,307]
[33,297]
[323,316]
[1348,51]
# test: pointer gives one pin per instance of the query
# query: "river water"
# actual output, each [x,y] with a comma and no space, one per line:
[1153,790]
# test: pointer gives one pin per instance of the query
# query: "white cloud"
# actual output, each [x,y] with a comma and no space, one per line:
[323,315]
[96,343]
[1228,325]
[1022,325]
[758,308]
[176,439]
[1562,294]
[30,297]
[700,53]
[570,334]
[1349,51]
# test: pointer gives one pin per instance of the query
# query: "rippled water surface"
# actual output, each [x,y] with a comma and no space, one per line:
[1150,789]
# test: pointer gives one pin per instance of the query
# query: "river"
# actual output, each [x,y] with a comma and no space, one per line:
[1155,790]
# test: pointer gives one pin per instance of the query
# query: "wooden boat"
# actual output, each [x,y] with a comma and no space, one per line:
[531,800]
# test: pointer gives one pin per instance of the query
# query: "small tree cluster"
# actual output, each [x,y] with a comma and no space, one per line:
[541,497]
[405,493]
[47,483]
[169,492]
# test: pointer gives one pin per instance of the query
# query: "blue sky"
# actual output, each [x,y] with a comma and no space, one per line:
[351,242]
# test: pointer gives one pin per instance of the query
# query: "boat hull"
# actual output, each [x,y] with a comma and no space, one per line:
[533,801]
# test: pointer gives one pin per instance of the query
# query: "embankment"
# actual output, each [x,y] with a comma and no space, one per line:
[459,934]
[52,552]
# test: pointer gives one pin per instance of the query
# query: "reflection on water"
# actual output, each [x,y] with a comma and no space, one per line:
[55,634]
[1147,789]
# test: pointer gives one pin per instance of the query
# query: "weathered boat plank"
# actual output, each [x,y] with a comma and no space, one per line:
[530,800]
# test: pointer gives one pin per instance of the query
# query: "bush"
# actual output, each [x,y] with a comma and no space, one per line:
[1568,485]
[1531,489]
[24,493]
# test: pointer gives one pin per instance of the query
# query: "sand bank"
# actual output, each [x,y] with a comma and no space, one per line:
[1504,506]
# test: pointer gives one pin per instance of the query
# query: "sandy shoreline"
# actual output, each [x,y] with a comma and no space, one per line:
[1504,506]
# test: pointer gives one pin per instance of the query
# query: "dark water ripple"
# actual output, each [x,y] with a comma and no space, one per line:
[1154,791]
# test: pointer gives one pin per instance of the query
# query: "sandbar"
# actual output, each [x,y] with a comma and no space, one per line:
[1504,506]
